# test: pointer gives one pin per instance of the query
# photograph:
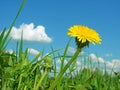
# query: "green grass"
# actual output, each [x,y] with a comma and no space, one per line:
[18,72]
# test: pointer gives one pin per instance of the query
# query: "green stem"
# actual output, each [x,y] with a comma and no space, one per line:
[64,69]
[41,79]
[2,85]
[19,84]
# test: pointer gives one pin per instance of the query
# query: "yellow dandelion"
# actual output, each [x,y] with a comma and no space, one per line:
[84,35]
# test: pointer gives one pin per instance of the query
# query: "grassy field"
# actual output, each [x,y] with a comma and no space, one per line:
[18,72]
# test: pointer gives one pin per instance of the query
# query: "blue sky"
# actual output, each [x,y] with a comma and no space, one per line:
[56,16]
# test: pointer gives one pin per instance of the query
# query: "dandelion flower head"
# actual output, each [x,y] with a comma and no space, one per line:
[84,34]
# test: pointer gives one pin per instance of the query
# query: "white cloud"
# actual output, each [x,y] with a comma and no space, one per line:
[33,51]
[111,64]
[96,58]
[30,33]
[100,59]
[59,61]
[115,63]
[78,63]
[93,57]
[72,50]
[108,54]
[9,51]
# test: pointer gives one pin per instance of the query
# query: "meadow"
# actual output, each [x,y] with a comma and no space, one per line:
[18,72]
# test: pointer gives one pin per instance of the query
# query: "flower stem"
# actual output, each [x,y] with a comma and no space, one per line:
[64,69]
[41,79]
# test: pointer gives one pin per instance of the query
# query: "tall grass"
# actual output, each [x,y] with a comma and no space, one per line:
[18,72]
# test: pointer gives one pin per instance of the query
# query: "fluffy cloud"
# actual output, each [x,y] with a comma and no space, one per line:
[30,33]
[33,51]
[96,58]
[82,62]
[59,61]
[108,54]
[113,64]
[9,51]
[78,63]
[72,50]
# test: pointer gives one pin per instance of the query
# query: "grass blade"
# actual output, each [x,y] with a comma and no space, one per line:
[2,35]
[64,55]
[14,20]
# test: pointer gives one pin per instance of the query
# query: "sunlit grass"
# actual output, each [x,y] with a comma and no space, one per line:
[19,72]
